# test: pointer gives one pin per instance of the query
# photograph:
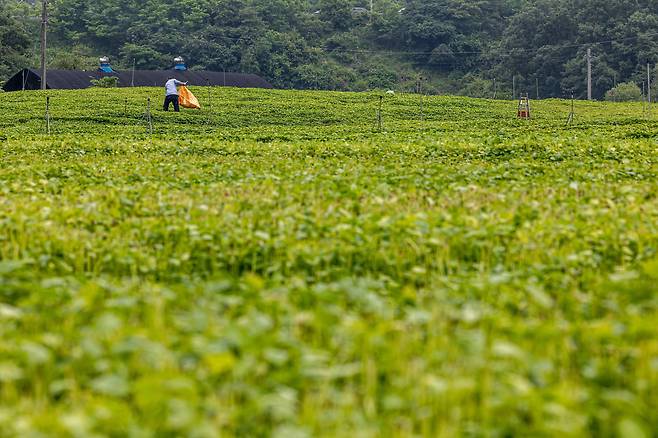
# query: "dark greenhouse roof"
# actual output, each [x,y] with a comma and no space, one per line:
[30,79]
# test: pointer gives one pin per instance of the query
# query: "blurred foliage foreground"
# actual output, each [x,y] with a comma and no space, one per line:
[277,265]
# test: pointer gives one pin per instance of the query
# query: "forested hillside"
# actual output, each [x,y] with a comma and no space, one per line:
[460,46]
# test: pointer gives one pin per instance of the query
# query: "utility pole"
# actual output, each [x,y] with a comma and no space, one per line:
[537,85]
[513,87]
[649,83]
[44,28]
[589,74]
[614,87]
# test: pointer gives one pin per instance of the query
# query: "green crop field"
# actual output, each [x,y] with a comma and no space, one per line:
[277,265]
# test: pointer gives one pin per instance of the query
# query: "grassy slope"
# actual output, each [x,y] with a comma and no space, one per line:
[277,265]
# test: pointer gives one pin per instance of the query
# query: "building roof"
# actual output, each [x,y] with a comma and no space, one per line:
[30,79]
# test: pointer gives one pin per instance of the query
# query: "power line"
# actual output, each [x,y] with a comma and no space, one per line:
[511,52]
[493,53]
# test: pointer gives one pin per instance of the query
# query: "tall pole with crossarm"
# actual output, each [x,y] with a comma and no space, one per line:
[44,29]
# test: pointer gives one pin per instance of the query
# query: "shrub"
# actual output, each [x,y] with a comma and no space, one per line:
[477,86]
[327,76]
[106,82]
[626,92]
[74,58]
[378,76]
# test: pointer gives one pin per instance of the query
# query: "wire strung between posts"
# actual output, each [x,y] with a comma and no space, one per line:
[510,52]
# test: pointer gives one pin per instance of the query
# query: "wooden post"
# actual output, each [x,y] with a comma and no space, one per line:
[48,114]
[132,80]
[572,113]
[589,74]
[379,113]
[537,85]
[419,91]
[148,115]
[44,31]
[495,88]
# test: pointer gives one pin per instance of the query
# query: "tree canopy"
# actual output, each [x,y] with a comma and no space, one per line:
[461,45]
[14,40]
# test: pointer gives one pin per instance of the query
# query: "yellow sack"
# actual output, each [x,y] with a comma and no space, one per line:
[186,99]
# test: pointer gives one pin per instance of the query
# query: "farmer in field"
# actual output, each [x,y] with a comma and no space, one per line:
[172,94]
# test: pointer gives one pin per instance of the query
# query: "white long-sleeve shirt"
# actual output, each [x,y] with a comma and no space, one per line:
[170,87]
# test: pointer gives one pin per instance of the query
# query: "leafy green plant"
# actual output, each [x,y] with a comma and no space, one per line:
[278,266]
[626,92]
[74,58]
[106,82]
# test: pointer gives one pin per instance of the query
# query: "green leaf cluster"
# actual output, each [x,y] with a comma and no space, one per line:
[626,92]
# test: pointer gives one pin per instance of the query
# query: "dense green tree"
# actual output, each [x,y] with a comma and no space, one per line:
[548,40]
[14,41]
[462,44]
[338,13]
